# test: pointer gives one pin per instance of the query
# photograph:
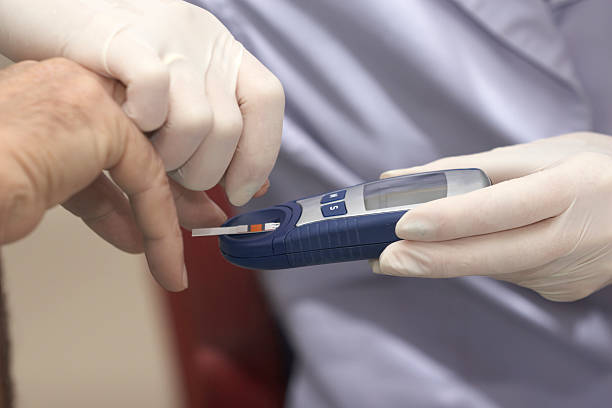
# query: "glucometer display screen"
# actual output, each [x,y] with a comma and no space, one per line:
[396,192]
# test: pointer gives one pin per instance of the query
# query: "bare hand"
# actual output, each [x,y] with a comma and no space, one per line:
[60,127]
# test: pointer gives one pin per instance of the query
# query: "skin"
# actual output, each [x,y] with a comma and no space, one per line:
[61,126]
[6,390]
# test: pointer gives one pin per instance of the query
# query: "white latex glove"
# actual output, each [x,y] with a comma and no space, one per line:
[219,111]
[545,224]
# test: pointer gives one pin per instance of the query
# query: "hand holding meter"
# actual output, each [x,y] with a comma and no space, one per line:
[353,223]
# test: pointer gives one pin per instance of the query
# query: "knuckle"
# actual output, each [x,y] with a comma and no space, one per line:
[61,64]
[75,85]
[156,168]
[196,121]
[425,264]
[87,90]
[19,209]
[228,127]
[154,75]
[270,90]
[17,193]
[466,264]
[24,64]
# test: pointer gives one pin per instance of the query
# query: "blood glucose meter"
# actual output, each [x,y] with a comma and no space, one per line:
[349,224]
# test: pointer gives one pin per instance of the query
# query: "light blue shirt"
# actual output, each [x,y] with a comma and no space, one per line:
[375,85]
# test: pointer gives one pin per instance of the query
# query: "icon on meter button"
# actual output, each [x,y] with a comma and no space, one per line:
[333,209]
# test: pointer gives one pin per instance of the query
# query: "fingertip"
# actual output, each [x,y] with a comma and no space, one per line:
[401,172]
[196,209]
[262,190]
[175,281]
[400,260]
[242,195]
[414,228]
[375,266]
[388,174]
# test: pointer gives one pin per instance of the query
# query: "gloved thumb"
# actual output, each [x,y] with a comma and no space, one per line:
[146,77]
[499,164]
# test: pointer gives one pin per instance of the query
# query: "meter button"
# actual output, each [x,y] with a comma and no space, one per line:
[333,209]
[335,196]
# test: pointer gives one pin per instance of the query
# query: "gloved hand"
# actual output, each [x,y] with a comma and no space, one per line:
[60,126]
[545,224]
[219,109]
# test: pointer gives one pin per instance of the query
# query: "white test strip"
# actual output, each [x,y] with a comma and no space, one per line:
[235,229]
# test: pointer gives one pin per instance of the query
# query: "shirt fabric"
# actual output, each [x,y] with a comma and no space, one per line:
[376,85]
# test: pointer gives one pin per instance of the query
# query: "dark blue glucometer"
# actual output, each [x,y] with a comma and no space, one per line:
[345,225]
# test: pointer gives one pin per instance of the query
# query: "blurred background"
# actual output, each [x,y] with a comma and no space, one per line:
[88,325]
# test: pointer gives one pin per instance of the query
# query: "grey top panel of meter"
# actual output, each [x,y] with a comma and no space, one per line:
[457,182]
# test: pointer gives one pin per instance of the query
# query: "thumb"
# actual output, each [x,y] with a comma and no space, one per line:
[146,78]
[499,164]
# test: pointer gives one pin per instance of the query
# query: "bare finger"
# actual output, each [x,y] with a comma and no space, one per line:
[103,207]
[195,208]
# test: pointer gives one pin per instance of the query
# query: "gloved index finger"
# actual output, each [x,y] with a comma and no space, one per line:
[507,205]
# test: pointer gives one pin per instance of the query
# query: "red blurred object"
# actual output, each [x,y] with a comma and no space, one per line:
[230,348]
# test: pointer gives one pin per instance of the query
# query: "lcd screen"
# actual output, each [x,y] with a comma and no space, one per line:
[396,192]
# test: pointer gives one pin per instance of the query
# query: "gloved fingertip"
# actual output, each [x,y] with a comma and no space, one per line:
[262,190]
[243,195]
[398,260]
[387,174]
[375,265]
[414,229]
[397,172]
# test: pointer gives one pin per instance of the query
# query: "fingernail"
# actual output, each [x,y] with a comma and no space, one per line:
[375,265]
[263,189]
[185,278]
[221,215]
[414,229]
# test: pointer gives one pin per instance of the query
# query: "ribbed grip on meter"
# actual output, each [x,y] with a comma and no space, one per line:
[341,239]
[332,255]
[325,234]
